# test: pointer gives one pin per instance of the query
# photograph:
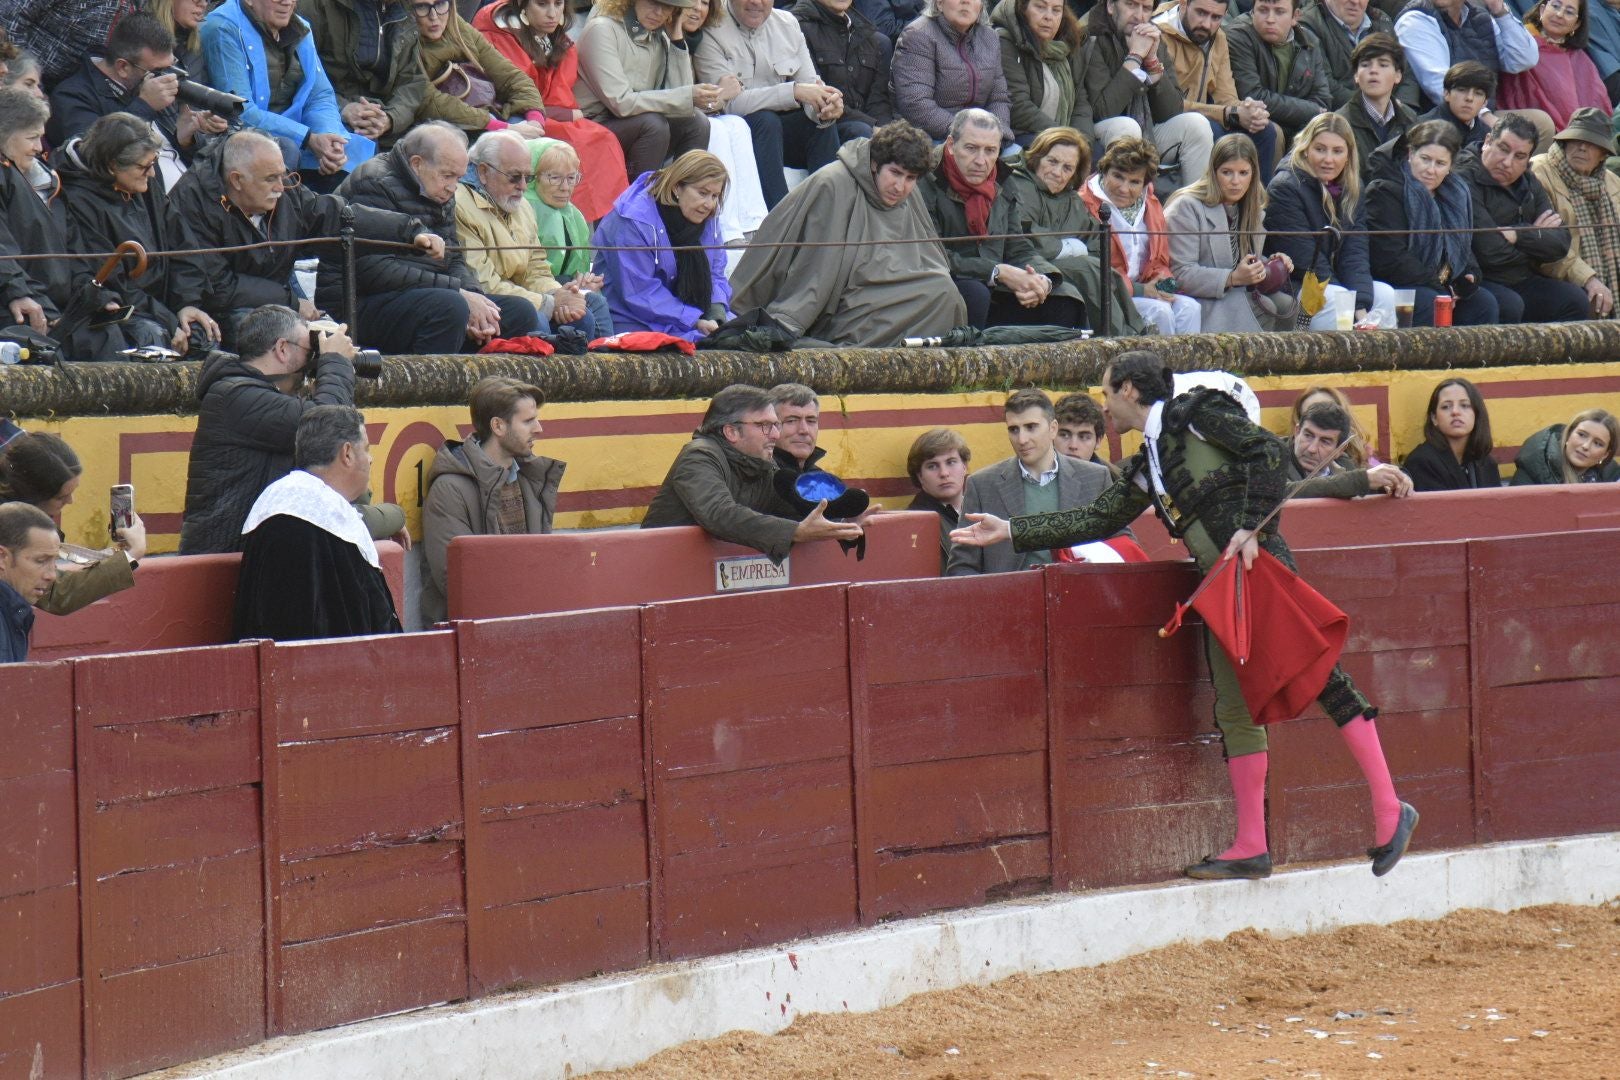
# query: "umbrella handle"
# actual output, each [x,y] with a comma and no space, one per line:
[130,248]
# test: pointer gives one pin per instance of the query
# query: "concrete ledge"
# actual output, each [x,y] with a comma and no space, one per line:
[615,1021]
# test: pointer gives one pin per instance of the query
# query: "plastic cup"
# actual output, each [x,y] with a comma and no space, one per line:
[1442,310]
[1405,301]
[1344,309]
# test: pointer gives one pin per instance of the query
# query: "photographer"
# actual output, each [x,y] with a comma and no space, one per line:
[133,76]
[248,415]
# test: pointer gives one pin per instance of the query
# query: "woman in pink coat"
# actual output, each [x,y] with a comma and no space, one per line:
[533,35]
[1564,79]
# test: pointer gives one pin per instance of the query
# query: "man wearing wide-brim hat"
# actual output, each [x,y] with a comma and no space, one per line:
[1587,196]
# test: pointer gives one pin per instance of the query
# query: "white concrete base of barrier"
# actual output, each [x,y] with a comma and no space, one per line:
[618,1020]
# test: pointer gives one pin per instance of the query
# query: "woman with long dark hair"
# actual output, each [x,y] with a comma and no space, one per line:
[1456,450]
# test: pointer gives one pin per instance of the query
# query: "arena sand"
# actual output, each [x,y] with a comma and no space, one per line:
[1533,993]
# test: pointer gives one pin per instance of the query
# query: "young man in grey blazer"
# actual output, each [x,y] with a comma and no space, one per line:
[1036,479]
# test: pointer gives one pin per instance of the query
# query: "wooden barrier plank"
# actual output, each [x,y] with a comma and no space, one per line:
[917,882]
[959,801]
[337,980]
[41,942]
[561,572]
[529,672]
[555,795]
[41,1011]
[363,834]
[369,889]
[551,855]
[748,732]
[1545,673]
[1139,786]
[572,936]
[170,856]
[367,686]
[388,787]
[40,1033]
[952,742]
[569,767]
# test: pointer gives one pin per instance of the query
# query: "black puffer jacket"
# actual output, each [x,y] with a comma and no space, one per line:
[105,217]
[1541,461]
[1515,208]
[849,58]
[262,276]
[386,182]
[31,225]
[244,443]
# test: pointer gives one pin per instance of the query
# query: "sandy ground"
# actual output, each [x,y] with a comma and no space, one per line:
[1535,993]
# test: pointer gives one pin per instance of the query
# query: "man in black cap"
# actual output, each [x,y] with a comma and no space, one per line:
[723,480]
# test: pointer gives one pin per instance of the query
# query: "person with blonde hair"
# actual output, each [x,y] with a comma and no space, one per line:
[1580,452]
[683,293]
[183,19]
[1217,231]
[1318,190]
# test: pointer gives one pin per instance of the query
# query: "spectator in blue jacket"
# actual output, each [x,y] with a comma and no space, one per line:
[1317,188]
[263,51]
[681,293]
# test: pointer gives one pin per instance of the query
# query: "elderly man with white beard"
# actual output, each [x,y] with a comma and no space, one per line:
[492,214]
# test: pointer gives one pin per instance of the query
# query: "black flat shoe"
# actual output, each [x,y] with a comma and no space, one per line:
[1384,858]
[1253,868]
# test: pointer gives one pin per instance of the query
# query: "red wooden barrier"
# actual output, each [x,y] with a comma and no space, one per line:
[176,603]
[747,710]
[556,797]
[1139,787]
[1408,652]
[948,683]
[491,576]
[363,828]
[40,989]
[1428,518]
[170,856]
[1546,676]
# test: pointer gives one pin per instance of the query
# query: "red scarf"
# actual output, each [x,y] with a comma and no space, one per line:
[976,198]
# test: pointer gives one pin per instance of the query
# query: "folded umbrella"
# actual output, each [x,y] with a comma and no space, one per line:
[88,300]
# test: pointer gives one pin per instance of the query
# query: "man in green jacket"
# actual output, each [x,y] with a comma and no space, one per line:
[1212,476]
[721,480]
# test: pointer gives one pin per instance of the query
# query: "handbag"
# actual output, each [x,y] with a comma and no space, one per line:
[465,81]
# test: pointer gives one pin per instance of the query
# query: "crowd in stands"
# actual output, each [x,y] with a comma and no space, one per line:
[1260,164]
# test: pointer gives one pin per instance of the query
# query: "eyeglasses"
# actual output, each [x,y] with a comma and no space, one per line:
[519,179]
[282,180]
[437,7]
[1569,10]
[766,426]
[561,179]
[146,169]
[300,344]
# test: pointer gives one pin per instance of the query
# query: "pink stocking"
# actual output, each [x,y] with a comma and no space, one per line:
[1361,736]
[1249,786]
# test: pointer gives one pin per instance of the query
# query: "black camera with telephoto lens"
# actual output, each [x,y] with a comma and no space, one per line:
[368,363]
[205,98]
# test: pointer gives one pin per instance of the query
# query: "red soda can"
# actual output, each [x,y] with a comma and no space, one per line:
[1442,310]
